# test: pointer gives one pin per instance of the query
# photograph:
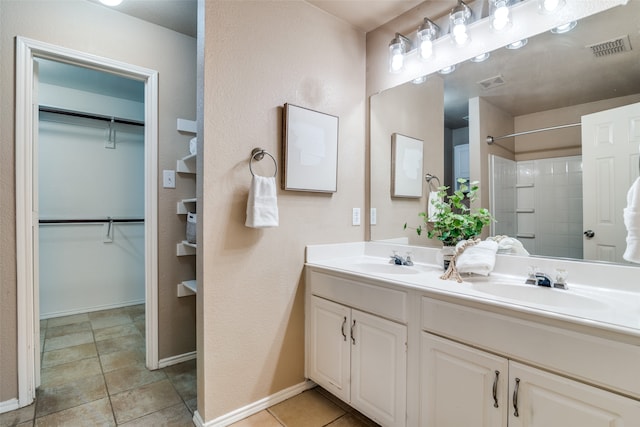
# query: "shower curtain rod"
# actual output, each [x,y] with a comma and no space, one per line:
[490,139]
[89,221]
[89,116]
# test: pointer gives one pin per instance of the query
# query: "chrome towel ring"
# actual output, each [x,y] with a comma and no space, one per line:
[428,177]
[257,154]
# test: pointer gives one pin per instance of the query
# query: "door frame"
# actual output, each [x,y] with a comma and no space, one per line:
[28,319]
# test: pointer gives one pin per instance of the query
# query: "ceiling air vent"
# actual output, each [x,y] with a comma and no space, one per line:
[617,45]
[491,82]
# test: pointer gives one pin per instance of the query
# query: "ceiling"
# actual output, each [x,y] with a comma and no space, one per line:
[366,15]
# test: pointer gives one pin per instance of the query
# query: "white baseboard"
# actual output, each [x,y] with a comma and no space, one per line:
[83,310]
[255,407]
[174,360]
[9,405]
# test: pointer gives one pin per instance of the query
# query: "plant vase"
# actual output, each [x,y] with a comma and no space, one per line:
[447,253]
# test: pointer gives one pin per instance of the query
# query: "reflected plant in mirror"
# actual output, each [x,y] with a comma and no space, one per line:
[450,219]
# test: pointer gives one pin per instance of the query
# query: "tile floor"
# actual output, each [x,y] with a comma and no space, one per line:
[93,374]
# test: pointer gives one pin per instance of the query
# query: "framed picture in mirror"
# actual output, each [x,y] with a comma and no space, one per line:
[310,149]
[406,166]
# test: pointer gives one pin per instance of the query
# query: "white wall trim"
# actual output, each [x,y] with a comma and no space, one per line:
[174,360]
[9,405]
[255,407]
[26,218]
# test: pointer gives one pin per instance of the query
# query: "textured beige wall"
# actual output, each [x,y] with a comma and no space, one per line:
[415,111]
[87,27]
[259,55]
[486,119]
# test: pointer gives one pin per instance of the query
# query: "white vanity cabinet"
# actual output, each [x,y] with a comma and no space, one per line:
[461,385]
[359,356]
[464,386]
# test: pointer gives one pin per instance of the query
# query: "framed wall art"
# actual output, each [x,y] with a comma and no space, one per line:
[310,150]
[406,166]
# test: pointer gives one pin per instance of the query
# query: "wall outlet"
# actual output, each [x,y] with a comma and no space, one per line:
[169,179]
[355,218]
[373,216]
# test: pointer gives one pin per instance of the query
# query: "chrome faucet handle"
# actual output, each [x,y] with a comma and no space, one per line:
[561,279]
[407,259]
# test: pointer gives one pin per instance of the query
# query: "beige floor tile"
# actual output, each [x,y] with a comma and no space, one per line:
[141,325]
[61,374]
[353,419]
[308,409]
[184,379]
[261,419]
[67,320]
[130,342]
[69,395]
[102,319]
[192,404]
[43,324]
[69,354]
[174,416]
[121,359]
[18,416]
[131,377]
[116,331]
[70,340]
[136,312]
[144,400]
[96,413]
[72,328]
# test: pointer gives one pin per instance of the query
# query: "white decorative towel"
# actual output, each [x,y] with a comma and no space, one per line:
[631,216]
[509,245]
[479,259]
[432,211]
[262,205]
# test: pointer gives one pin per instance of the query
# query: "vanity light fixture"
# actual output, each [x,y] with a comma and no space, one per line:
[398,48]
[565,28]
[427,33]
[459,18]
[518,44]
[111,3]
[500,15]
[550,6]
[480,58]
[447,70]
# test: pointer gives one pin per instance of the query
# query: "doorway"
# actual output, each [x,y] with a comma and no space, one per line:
[27,214]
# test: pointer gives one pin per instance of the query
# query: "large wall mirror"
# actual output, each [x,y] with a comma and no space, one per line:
[546,187]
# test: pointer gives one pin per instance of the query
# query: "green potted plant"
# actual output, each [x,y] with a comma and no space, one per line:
[453,220]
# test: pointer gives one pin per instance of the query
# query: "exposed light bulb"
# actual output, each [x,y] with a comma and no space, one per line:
[460,35]
[426,49]
[501,17]
[550,6]
[458,20]
[427,33]
[397,50]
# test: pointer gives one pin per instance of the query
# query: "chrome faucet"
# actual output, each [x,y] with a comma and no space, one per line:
[398,260]
[542,279]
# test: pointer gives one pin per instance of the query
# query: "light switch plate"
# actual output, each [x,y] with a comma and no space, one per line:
[169,179]
[355,220]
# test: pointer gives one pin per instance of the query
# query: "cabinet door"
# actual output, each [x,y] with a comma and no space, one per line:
[329,364]
[379,368]
[548,400]
[461,386]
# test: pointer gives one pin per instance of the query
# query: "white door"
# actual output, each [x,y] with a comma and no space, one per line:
[379,368]
[461,386]
[329,364]
[610,156]
[548,400]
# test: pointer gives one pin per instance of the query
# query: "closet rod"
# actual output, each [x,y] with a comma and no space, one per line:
[88,221]
[89,116]
[490,139]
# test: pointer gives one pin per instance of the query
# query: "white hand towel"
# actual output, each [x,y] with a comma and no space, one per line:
[479,259]
[432,211]
[262,205]
[631,217]
[509,245]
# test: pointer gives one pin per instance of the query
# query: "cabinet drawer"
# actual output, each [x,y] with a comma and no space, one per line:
[606,363]
[380,300]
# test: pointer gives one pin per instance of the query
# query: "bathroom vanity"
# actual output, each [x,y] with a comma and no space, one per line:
[409,349]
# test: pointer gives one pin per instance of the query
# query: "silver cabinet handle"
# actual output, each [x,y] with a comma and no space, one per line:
[344,323]
[495,390]
[353,338]
[515,398]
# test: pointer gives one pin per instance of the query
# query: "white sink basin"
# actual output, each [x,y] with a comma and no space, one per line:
[538,295]
[379,268]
